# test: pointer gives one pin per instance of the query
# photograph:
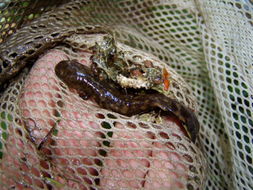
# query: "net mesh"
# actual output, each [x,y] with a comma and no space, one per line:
[209,43]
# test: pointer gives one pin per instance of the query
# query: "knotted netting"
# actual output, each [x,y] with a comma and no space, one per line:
[53,139]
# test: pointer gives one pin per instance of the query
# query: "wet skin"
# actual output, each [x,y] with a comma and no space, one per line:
[108,96]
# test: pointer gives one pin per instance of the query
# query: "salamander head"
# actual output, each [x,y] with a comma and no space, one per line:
[61,69]
[68,70]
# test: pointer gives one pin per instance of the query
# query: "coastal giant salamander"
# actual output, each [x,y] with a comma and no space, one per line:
[81,78]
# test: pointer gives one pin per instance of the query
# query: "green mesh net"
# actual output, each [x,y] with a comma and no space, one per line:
[207,42]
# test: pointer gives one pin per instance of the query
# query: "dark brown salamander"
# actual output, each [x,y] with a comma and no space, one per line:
[82,79]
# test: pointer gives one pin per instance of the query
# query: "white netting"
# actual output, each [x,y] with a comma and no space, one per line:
[208,42]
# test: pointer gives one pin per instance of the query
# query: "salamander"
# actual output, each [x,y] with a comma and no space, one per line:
[85,82]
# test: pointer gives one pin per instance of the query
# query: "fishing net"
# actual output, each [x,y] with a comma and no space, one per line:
[52,139]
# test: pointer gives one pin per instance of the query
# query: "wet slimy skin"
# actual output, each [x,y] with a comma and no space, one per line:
[81,78]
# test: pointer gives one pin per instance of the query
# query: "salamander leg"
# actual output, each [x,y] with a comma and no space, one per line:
[84,96]
[98,72]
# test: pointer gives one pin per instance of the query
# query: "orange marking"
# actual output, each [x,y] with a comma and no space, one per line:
[166,81]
